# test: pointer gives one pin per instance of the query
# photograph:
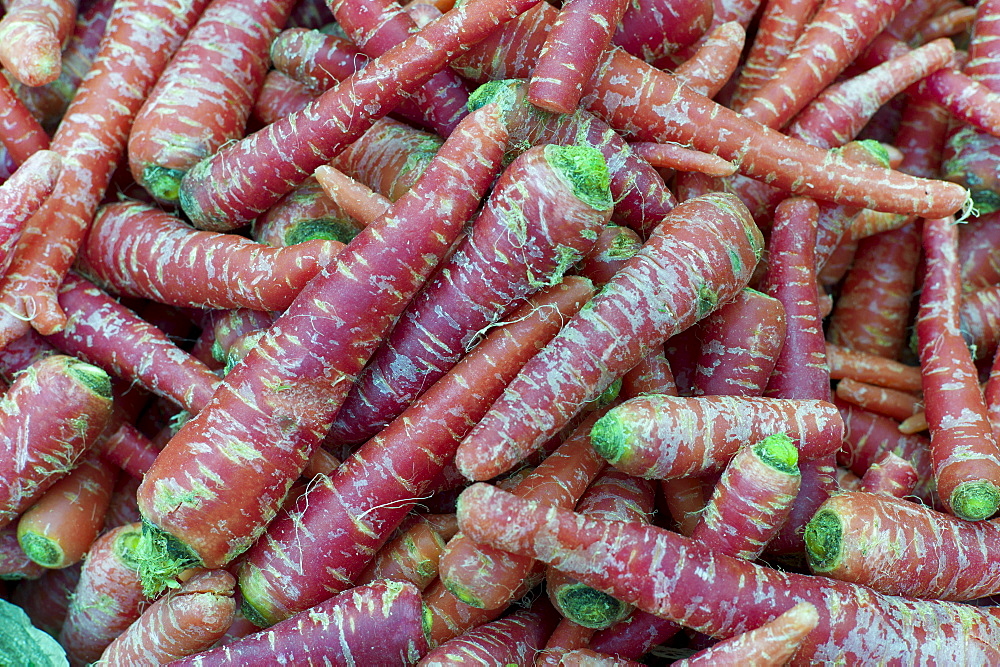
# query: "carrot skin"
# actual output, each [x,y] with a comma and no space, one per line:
[380,623]
[14,563]
[20,133]
[890,475]
[274,406]
[355,511]
[664,573]
[713,63]
[181,623]
[676,279]
[22,195]
[213,195]
[31,37]
[412,557]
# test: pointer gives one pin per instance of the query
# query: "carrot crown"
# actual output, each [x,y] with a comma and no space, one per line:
[609,436]
[585,170]
[779,452]
[824,540]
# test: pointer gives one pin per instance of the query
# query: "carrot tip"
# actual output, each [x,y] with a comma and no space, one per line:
[41,549]
[975,501]
[589,607]
[823,537]
[161,558]
[162,182]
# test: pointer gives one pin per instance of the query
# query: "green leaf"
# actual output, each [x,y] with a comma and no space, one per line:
[24,645]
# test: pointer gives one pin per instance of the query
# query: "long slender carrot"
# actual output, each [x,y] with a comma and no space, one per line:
[545,211]
[272,409]
[649,105]
[22,195]
[632,561]
[140,250]
[409,454]
[31,36]
[20,133]
[965,455]
[204,96]
[663,437]
[698,258]
[182,623]
[899,405]
[58,530]
[92,143]
[214,197]
[713,63]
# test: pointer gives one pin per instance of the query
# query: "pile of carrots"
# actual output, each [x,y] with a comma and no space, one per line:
[593,332]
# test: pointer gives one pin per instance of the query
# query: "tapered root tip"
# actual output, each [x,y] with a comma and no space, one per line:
[824,541]
[609,437]
[163,183]
[161,558]
[589,607]
[975,501]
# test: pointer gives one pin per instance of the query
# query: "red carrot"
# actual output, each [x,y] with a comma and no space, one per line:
[22,195]
[978,241]
[899,405]
[450,617]
[630,560]
[775,642]
[965,455]
[107,598]
[20,133]
[315,58]
[546,210]
[581,32]
[204,96]
[214,199]
[181,623]
[31,38]
[98,326]
[279,96]
[654,115]
[890,475]
[49,418]
[366,625]
[614,246]
[679,158]
[409,454]
[262,412]
[357,200]
[139,250]
[303,214]
[58,530]
[515,639]
[412,557]
[704,251]
[653,30]
[752,499]
[711,66]
[92,143]
[14,563]
[902,548]
[663,437]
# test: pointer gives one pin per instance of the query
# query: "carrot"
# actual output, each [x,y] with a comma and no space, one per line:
[708,127]
[412,557]
[965,455]
[123,509]
[108,597]
[46,600]
[629,560]
[545,211]
[214,199]
[260,411]
[204,96]
[752,498]
[181,623]
[303,214]
[92,143]
[902,548]
[450,617]
[774,643]
[581,32]
[279,96]
[979,321]
[977,243]
[653,30]
[31,38]
[20,133]
[486,577]
[679,158]
[378,25]
[623,323]
[315,58]
[380,623]
[512,640]
[899,405]
[740,343]
[713,63]
[58,530]
[584,656]
[49,418]
[613,495]
[139,250]
[566,636]
[14,563]
[22,195]
[890,475]
[98,325]
[357,200]
[663,437]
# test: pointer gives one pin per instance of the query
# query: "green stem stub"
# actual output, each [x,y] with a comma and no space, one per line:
[609,437]
[585,169]
[589,607]
[824,536]
[975,501]
[163,183]
[41,549]
[161,558]
[779,452]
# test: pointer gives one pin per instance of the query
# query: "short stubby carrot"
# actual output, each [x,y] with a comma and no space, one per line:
[272,409]
[663,437]
[698,258]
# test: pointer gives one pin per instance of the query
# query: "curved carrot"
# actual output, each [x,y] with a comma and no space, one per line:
[204,96]
[713,63]
[31,37]
[704,250]
[22,195]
